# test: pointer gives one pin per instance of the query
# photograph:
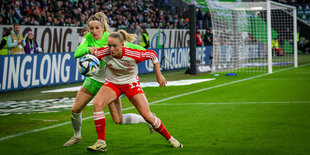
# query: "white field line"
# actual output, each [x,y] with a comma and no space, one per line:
[169,98]
[44,120]
[265,102]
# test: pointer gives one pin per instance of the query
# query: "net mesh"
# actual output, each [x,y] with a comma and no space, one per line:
[241,40]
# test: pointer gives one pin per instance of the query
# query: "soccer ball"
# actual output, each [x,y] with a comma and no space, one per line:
[89,65]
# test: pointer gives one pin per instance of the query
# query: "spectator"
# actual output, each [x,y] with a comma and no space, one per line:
[144,38]
[75,13]
[277,51]
[200,18]
[198,38]
[3,44]
[15,41]
[208,38]
[207,19]
[31,46]
[11,17]
[18,14]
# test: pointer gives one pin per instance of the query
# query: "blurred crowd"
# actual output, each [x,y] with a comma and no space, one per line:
[303,8]
[121,14]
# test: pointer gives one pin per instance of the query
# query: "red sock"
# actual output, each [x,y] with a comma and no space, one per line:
[159,127]
[100,124]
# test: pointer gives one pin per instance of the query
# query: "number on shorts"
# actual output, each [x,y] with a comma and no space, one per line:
[133,86]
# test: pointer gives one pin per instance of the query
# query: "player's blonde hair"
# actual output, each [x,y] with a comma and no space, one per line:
[117,35]
[85,29]
[127,36]
[102,19]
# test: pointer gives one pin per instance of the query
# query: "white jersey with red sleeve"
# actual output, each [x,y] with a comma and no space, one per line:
[124,70]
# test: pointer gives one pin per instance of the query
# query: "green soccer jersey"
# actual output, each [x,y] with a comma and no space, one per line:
[134,46]
[90,41]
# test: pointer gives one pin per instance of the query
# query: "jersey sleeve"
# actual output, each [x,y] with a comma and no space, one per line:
[102,52]
[141,55]
[82,49]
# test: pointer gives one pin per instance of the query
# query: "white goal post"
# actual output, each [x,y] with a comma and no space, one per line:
[253,36]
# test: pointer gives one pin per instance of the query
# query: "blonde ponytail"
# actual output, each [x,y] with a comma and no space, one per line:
[127,36]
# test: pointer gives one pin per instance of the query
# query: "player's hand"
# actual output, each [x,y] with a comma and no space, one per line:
[161,80]
[92,50]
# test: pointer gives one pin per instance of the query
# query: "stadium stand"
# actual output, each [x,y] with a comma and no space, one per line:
[121,14]
[303,8]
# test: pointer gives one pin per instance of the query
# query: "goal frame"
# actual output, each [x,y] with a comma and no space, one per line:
[269,3]
[268,6]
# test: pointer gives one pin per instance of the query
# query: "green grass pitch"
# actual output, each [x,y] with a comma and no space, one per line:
[243,114]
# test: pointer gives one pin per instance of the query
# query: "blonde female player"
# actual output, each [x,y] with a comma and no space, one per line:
[122,77]
[99,31]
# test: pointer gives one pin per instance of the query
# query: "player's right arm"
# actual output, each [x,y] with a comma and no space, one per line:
[82,49]
[85,47]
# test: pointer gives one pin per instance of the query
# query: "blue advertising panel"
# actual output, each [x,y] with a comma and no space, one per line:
[37,70]
[176,58]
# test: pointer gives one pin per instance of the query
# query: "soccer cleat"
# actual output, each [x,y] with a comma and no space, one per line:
[175,143]
[99,146]
[72,141]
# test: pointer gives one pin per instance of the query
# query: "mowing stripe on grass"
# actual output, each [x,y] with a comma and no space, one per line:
[284,102]
[169,98]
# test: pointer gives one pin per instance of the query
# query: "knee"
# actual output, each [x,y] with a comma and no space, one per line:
[98,105]
[76,110]
[117,120]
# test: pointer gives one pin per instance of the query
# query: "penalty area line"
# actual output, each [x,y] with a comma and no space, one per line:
[162,100]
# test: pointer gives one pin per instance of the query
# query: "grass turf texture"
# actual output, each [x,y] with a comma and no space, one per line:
[248,117]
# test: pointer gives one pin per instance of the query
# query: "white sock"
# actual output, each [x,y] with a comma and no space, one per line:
[171,139]
[132,118]
[103,141]
[76,120]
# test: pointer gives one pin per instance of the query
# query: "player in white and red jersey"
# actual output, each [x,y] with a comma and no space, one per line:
[122,77]
[96,38]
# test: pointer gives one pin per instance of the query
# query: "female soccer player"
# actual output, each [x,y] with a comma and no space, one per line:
[122,77]
[99,31]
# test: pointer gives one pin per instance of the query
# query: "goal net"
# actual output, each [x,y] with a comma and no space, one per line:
[253,36]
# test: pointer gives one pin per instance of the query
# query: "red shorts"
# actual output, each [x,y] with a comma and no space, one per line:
[129,89]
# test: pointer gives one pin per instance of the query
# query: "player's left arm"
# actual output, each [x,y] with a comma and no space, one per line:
[150,54]
[159,76]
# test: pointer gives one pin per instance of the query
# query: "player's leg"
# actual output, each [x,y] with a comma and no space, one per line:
[141,104]
[104,97]
[115,109]
[84,96]
[119,118]
[128,118]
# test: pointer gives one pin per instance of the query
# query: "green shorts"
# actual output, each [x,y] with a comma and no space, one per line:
[92,86]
